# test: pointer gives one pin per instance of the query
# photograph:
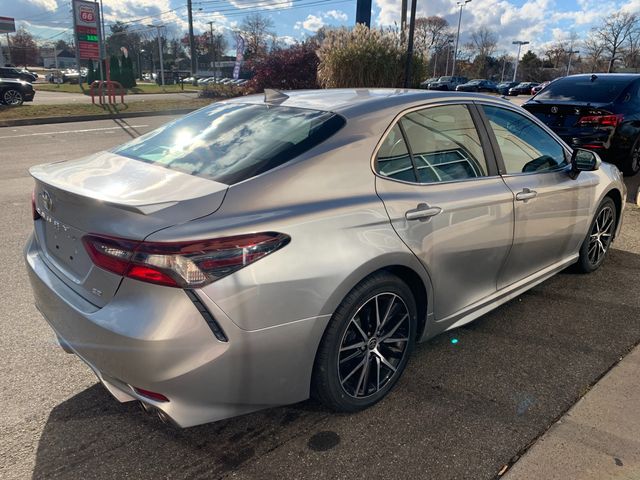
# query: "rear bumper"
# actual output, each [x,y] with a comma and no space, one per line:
[155,338]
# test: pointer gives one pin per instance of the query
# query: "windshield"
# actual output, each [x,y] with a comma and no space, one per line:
[445,79]
[231,142]
[600,90]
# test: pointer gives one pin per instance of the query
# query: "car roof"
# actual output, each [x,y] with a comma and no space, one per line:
[352,102]
[605,76]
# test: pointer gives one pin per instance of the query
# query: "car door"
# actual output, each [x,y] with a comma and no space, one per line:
[441,189]
[551,206]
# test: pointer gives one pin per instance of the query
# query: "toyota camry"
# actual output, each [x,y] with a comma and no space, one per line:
[268,248]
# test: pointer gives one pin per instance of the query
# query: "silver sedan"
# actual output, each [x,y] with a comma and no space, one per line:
[269,248]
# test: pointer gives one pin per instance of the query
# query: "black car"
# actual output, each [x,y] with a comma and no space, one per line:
[523,88]
[12,72]
[504,87]
[600,112]
[447,83]
[478,85]
[13,92]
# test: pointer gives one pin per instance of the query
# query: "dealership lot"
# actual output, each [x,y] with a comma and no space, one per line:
[462,410]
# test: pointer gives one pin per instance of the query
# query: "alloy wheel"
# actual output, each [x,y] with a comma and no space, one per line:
[13,97]
[373,345]
[601,235]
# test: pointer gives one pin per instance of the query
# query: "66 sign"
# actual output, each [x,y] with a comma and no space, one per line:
[86,25]
[86,13]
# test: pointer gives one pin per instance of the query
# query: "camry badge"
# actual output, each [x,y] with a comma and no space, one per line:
[47,200]
[554,109]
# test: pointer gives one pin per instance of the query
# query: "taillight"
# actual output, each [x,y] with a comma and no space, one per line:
[34,210]
[604,120]
[181,264]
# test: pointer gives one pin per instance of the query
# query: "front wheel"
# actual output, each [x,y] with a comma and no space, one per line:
[598,240]
[12,97]
[367,344]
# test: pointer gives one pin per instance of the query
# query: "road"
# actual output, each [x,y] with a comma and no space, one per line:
[57,98]
[461,410]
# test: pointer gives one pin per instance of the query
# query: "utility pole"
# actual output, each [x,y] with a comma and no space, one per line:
[211,46]
[519,43]
[461,4]
[403,16]
[571,52]
[363,12]
[446,68]
[192,42]
[158,27]
[9,60]
[412,28]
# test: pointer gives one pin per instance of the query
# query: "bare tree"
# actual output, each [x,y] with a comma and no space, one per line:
[257,30]
[431,32]
[614,33]
[484,42]
[593,50]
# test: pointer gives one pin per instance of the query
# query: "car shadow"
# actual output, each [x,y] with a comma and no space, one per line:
[475,396]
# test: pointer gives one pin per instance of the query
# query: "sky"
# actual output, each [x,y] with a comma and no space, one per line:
[540,22]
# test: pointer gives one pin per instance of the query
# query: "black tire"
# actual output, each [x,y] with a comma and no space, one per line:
[335,382]
[12,97]
[594,249]
[631,164]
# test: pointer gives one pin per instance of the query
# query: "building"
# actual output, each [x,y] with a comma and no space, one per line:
[64,59]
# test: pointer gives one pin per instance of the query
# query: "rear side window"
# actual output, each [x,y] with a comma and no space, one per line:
[393,157]
[583,89]
[444,144]
[231,142]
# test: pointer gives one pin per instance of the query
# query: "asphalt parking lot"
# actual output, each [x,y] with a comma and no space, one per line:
[461,411]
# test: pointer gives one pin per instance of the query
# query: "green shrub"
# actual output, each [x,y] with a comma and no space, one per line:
[363,57]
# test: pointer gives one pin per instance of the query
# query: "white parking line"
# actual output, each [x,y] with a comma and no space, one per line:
[74,131]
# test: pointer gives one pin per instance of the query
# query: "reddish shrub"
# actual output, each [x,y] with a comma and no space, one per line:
[290,68]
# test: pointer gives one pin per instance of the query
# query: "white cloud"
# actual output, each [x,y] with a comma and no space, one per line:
[268,4]
[336,15]
[312,23]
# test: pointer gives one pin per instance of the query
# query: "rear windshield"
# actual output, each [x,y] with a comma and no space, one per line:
[600,90]
[231,142]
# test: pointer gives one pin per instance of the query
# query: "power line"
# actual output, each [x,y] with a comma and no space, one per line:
[234,12]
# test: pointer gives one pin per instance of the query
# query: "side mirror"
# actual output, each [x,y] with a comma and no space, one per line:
[584,161]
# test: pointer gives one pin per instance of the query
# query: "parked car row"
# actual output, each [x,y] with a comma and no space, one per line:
[460,84]
[218,81]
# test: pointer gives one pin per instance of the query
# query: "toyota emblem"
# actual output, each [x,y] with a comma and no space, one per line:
[46,200]
[554,109]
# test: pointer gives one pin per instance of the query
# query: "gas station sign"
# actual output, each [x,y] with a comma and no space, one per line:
[86,23]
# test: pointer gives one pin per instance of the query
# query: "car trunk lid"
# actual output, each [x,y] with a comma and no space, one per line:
[564,116]
[110,195]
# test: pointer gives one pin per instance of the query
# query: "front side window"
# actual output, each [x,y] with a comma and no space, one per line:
[444,144]
[231,142]
[524,145]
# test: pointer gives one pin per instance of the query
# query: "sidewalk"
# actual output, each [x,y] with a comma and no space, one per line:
[598,439]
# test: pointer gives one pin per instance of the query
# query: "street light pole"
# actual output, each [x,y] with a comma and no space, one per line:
[158,27]
[446,68]
[519,43]
[461,4]
[571,52]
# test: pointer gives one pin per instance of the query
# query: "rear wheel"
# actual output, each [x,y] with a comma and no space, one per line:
[596,245]
[12,97]
[631,165]
[367,344]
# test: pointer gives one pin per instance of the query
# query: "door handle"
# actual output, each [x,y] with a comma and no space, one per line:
[423,212]
[526,194]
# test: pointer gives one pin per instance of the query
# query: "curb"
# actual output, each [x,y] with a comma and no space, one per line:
[19,122]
